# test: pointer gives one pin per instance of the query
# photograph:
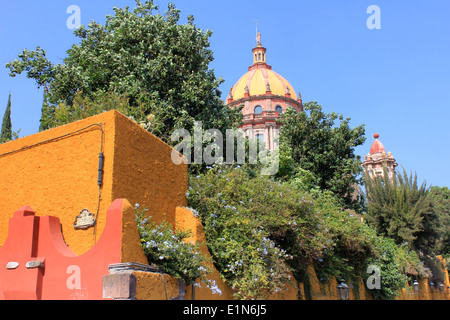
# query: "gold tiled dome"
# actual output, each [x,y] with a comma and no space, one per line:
[259,81]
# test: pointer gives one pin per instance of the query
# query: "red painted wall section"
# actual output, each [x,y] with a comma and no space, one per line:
[35,262]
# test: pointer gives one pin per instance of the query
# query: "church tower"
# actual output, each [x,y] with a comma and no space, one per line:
[264,95]
[377,159]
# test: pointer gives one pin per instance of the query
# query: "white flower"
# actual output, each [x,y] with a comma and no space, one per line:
[214,288]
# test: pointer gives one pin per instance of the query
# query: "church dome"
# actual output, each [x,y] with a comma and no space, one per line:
[263,96]
[261,80]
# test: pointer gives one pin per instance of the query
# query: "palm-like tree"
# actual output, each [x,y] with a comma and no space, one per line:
[401,209]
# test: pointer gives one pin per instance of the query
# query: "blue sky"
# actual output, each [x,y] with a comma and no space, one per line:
[395,80]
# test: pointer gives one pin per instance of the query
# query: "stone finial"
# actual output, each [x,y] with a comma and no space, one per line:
[258,38]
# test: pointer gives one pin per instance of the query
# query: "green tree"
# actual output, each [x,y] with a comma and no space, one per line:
[441,205]
[325,149]
[45,112]
[161,66]
[6,133]
[399,208]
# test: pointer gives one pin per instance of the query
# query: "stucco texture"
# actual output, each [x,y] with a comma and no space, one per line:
[55,173]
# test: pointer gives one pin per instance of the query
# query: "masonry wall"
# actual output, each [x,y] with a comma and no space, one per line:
[143,171]
[55,172]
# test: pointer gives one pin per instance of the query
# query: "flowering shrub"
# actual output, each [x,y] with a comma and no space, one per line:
[357,246]
[166,248]
[256,227]
[260,231]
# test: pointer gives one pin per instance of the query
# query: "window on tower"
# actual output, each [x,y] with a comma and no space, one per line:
[258,110]
[260,138]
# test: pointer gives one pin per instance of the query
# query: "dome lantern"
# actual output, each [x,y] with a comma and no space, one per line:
[259,52]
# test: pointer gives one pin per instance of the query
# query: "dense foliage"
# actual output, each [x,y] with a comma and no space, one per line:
[413,216]
[260,230]
[167,249]
[6,133]
[326,149]
[400,209]
[440,198]
[245,244]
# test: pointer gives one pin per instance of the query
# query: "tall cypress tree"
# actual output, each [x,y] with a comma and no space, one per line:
[46,112]
[6,134]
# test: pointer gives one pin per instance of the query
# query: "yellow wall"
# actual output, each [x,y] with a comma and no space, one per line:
[154,286]
[144,172]
[185,220]
[59,178]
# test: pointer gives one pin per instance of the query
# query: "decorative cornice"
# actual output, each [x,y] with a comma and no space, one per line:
[233,103]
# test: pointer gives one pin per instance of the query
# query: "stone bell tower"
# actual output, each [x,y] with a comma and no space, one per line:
[377,159]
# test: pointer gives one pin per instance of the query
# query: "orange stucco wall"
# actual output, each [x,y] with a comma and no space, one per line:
[154,286]
[143,171]
[59,177]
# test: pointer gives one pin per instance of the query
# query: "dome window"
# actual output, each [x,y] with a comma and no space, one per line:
[258,110]
[279,110]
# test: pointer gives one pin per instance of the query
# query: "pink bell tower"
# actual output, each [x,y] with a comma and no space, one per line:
[377,159]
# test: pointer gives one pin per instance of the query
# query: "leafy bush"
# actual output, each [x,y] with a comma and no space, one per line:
[166,248]
[257,228]
[260,230]
[395,263]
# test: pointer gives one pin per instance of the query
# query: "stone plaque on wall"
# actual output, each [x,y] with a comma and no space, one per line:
[84,220]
